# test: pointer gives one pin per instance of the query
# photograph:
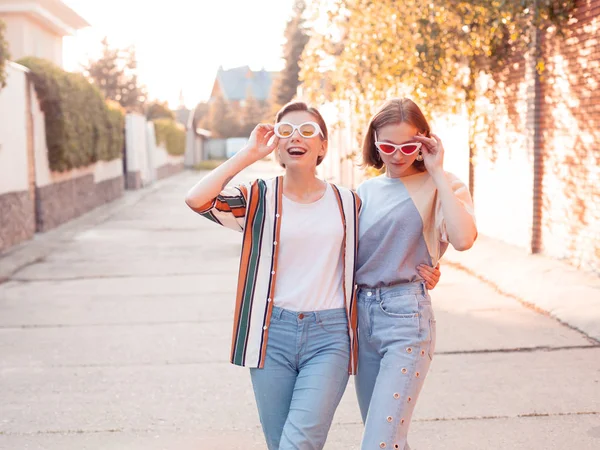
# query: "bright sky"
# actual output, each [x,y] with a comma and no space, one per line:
[181,43]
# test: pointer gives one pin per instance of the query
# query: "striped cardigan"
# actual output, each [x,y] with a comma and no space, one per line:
[255,209]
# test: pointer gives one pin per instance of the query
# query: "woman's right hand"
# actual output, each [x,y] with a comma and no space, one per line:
[258,144]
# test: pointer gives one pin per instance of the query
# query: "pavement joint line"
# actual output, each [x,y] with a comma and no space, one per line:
[119,276]
[169,295]
[543,348]
[117,365]
[192,363]
[114,324]
[518,416]
[527,304]
[533,415]
[179,429]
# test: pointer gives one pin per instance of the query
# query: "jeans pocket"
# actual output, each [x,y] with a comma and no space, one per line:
[402,307]
[334,326]
[432,337]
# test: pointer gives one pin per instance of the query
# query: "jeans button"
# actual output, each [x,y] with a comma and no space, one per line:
[369,294]
[300,316]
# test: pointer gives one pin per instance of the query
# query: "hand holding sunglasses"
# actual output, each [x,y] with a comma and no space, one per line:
[258,143]
[433,152]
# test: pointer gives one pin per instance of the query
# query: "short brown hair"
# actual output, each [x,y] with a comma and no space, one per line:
[301,106]
[394,111]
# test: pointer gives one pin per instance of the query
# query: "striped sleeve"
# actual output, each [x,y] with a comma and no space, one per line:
[461,191]
[228,208]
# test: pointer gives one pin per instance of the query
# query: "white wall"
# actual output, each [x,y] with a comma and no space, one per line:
[107,170]
[43,176]
[162,157]
[27,37]
[135,137]
[453,130]
[149,173]
[194,149]
[137,145]
[13,132]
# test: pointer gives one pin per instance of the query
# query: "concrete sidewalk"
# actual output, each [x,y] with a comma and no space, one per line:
[571,296]
[115,333]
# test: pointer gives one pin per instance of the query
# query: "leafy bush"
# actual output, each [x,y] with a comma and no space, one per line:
[171,134]
[209,164]
[3,55]
[80,128]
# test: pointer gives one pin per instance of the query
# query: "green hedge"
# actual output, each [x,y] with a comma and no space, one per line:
[3,55]
[171,134]
[80,128]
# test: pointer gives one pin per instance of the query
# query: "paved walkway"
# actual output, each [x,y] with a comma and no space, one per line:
[118,338]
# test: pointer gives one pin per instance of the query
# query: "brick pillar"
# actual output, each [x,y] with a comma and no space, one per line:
[538,154]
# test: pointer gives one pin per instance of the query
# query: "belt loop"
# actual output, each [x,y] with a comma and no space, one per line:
[378,294]
[424,287]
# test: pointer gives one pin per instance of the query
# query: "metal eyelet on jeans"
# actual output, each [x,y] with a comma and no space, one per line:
[404,370]
[389,419]
[382,445]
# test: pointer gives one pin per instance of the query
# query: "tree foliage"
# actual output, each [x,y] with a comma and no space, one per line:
[221,120]
[158,110]
[231,119]
[296,38]
[430,51]
[4,55]
[115,75]
[170,134]
[253,112]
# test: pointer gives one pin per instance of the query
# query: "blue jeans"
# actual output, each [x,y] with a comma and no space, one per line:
[304,377]
[396,345]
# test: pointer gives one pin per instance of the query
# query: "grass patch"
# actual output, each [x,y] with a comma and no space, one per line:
[209,164]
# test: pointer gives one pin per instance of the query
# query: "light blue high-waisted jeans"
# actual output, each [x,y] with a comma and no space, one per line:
[396,344]
[304,377]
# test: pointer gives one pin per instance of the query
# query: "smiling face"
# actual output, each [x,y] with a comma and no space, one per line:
[297,151]
[398,164]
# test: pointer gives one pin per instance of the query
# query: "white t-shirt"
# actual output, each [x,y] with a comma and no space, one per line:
[310,262]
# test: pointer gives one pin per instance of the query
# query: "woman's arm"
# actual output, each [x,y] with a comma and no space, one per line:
[460,223]
[212,184]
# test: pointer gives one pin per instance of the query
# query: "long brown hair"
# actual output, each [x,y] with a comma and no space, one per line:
[394,111]
[301,106]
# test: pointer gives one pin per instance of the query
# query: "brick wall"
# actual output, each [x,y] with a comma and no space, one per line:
[503,161]
[537,167]
[571,140]
[60,202]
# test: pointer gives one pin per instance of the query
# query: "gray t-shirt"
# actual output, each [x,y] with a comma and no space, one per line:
[401,225]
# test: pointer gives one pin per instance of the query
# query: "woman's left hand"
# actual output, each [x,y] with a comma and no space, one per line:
[431,275]
[433,152]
